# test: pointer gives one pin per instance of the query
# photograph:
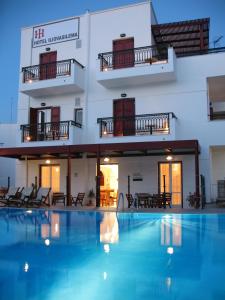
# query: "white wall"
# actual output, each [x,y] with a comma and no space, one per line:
[7,165]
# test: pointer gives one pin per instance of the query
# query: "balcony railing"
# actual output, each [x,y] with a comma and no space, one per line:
[47,131]
[133,57]
[148,124]
[49,70]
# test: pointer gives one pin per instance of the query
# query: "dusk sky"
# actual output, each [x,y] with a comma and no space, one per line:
[15,14]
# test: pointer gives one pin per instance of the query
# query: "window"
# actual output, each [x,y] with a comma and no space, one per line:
[216,96]
[79,116]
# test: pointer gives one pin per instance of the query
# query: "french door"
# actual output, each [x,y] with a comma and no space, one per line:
[50,177]
[48,65]
[124,117]
[123,53]
[170,180]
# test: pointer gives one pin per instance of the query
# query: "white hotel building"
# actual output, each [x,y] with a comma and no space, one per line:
[116,84]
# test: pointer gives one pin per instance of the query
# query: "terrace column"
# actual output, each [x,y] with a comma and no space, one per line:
[68,185]
[197,171]
[98,179]
[26,172]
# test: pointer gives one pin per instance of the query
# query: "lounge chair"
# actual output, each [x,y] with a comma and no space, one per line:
[42,198]
[25,196]
[79,199]
[130,200]
[11,194]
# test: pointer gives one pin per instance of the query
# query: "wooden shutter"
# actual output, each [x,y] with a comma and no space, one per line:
[33,124]
[125,58]
[55,119]
[124,117]
[129,117]
[118,117]
[48,65]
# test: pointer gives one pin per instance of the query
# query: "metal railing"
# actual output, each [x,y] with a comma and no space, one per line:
[47,131]
[49,70]
[132,57]
[147,124]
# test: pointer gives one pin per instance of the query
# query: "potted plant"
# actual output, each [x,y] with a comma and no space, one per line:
[91,197]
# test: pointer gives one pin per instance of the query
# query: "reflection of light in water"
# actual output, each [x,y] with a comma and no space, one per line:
[106,248]
[170,250]
[29,211]
[55,225]
[47,242]
[45,230]
[109,229]
[171,231]
[168,282]
[105,275]
[26,267]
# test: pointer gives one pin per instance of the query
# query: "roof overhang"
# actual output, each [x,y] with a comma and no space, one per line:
[113,149]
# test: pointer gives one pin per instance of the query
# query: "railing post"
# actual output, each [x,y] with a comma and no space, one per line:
[100,128]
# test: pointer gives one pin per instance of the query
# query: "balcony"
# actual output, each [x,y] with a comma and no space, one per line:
[61,77]
[136,66]
[67,132]
[152,127]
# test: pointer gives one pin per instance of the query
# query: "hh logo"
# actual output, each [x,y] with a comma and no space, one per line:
[39,33]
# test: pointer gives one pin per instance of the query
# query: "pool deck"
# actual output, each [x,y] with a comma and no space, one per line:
[209,209]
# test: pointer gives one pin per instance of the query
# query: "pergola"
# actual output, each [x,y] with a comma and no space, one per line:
[185,37]
[159,148]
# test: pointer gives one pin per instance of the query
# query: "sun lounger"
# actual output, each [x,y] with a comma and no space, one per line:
[11,194]
[79,199]
[25,196]
[42,198]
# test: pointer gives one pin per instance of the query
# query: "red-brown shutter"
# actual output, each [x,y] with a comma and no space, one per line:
[129,117]
[33,124]
[55,119]
[124,117]
[48,65]
[118,117]
[123,53]
[55,114]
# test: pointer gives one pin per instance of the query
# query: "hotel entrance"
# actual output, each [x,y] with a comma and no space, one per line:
[172,172]
[50,177]
[109,185]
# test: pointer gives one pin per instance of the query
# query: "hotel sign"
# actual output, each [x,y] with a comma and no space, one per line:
[55,32]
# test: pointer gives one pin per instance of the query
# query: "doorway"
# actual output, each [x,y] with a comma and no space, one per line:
[50,177]
[172,172]
[109,185]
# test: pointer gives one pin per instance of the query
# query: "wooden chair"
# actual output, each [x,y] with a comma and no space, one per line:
[24,196]
[79,199]
[130,200]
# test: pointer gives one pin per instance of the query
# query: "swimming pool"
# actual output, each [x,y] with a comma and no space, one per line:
[93,255]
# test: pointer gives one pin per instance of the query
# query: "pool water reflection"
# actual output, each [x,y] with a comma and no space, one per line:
[107,256]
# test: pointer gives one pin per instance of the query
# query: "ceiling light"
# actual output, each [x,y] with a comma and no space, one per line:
[169,157]
[48,161]
[106,159]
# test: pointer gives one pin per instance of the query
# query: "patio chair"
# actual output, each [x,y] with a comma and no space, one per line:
[12,193]
[79,199]
[42,198]
[24,196]
[130,200]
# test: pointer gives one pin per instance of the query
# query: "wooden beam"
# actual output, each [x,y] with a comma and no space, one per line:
[197,172]
[68,186]
[98,178]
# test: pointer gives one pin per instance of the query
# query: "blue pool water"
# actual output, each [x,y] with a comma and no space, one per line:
[92,255]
